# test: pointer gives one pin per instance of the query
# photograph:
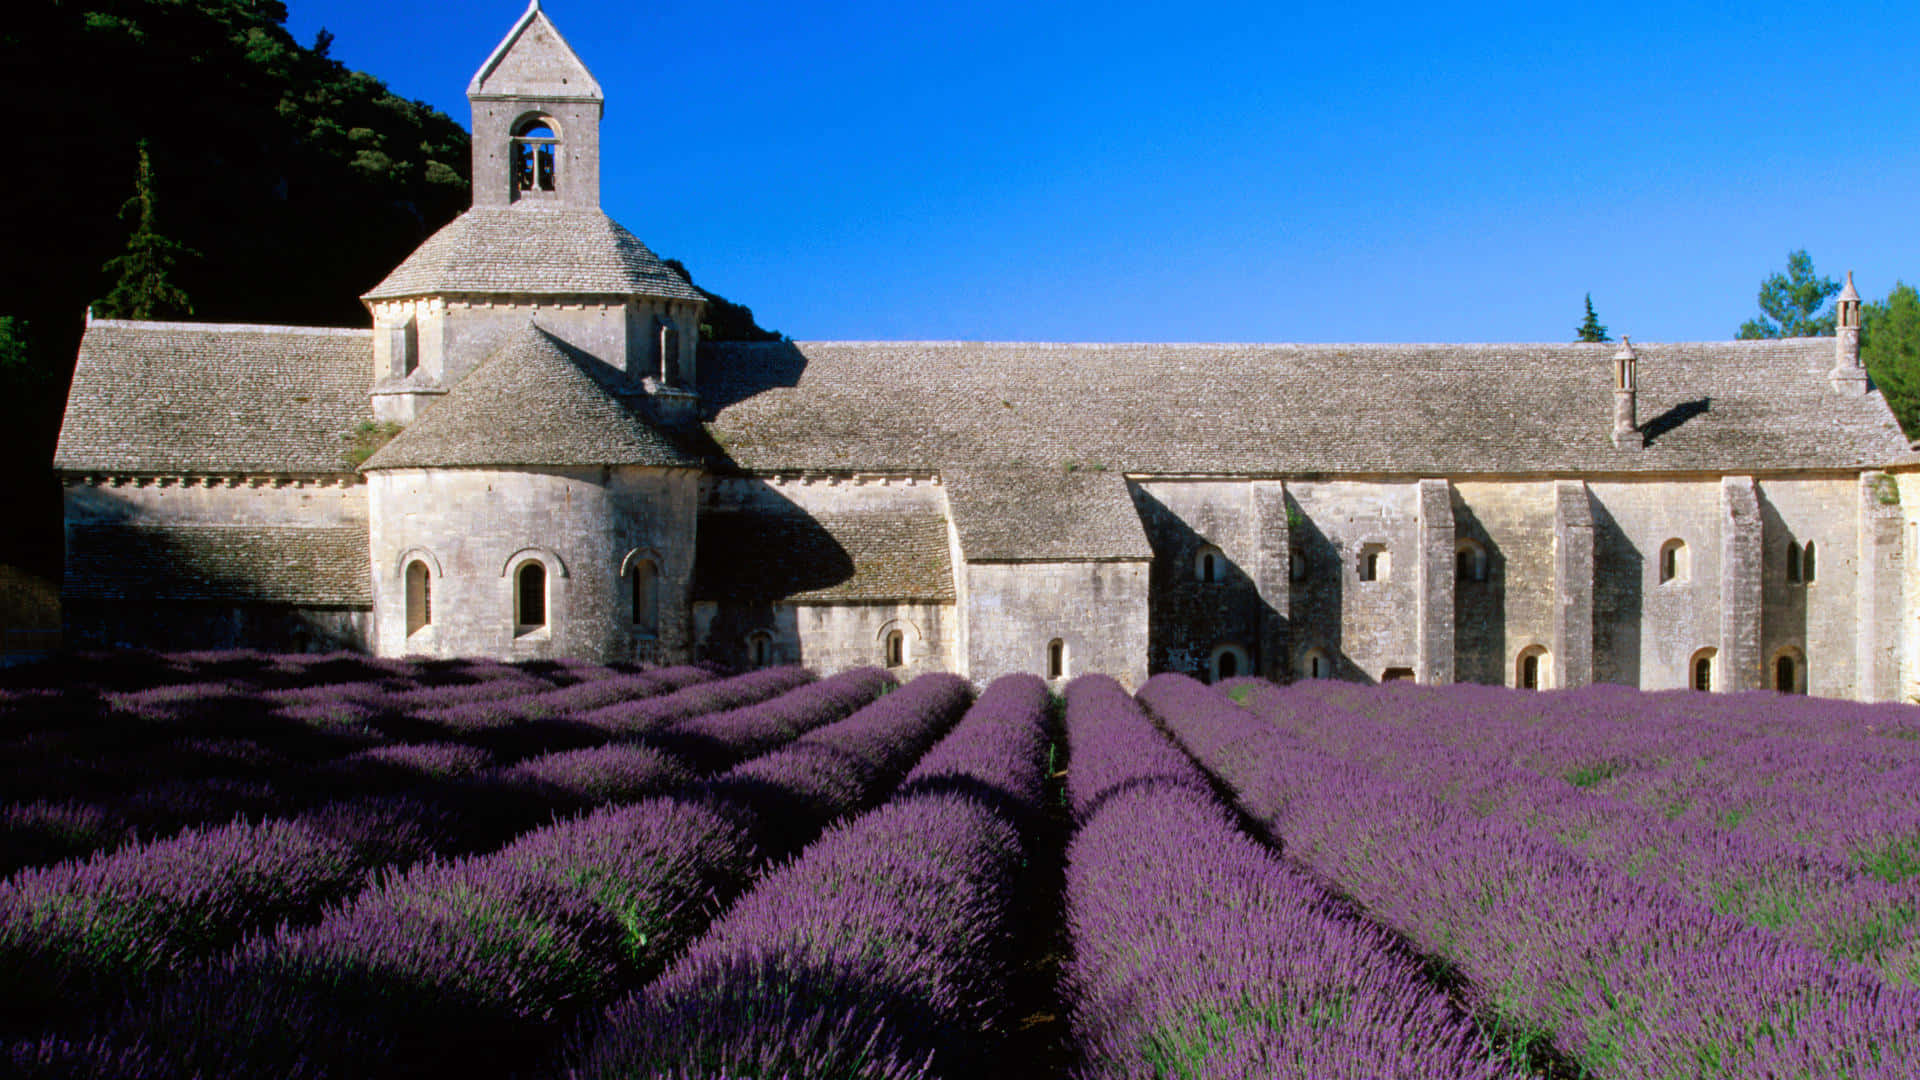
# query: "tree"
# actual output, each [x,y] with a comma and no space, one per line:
[145,289]
[1792,303]
[1590,328]
[1890,349]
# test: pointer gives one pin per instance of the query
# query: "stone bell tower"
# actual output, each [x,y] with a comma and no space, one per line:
[536,121]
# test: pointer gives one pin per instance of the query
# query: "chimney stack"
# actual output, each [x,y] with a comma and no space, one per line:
[1626,385]
[1847,376]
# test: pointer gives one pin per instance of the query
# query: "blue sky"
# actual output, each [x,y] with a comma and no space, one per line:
[1226,172]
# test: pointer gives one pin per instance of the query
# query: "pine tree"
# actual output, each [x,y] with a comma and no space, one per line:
[1793,304]
[1590,329]
[143,290]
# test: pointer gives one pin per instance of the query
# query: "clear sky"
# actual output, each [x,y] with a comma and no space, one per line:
[1227,172]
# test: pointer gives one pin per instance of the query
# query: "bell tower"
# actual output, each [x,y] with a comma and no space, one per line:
[536,121]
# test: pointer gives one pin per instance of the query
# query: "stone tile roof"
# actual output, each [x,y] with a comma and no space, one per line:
[1044,515]
[201,398]
[535,401]
[764,556]
[533,248]
[313,567]
[1426,410]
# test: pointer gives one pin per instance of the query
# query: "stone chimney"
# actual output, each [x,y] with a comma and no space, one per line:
[1847,376]
[1626,385]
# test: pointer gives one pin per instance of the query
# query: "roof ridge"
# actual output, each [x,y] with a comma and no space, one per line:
[249,328]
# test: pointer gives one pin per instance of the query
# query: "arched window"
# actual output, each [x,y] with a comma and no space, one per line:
[1210,565]
[1673,561]
[1057,659]
[1229,662]
[1316,664]
[896,648]
[646,598]
[419,597]
[1296,565]
[1790,671]
[1701,670]
[1470,561]
[759,649]
[530,597]
[1530,668]
[536,156]
[1793,562]
[1806,563]
[1375,564]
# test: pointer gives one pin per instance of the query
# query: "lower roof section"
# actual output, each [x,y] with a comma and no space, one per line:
[766,555]
[253,564]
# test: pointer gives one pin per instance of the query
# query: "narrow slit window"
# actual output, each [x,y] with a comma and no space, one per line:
[1806,564]
[1673,561]
[1793,562]
[1702,673]
[1056,659]
[646,597]
[419,597]
[760,649]
[531,604]
[896,649]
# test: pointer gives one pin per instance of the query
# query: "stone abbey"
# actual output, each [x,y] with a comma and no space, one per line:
[576,474]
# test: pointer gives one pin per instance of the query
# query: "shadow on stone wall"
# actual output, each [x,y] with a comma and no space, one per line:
[1318,600]
[1188,618]
[1783,610]
[1619,570]
[1479,607]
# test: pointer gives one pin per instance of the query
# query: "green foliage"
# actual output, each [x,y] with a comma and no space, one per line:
[1590,328]
[1793,304]
[1890,349]
[366,439]
[145,289]
[726,320]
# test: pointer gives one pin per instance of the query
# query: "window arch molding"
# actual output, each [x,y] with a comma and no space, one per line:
[1703,669]
[910,639]
[1315,663]
[639,555]
[1210,565]
[555,565]
[1533,668]
[1673,567]
[417,554]
[1228,661]
[1795,680]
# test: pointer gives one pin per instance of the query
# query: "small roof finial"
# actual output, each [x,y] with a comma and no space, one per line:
[1626,349]
[1848,293]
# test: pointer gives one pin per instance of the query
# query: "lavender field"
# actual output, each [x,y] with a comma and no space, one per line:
[246,865]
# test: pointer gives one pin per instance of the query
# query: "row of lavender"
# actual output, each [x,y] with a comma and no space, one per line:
[83,931]
[149,762]
[1612,976]
[477,961]
[1833,775]
[1796,886]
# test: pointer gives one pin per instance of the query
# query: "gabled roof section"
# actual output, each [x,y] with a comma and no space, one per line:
[212,399]
[533,60]
[1279,410]
[1071,513]
[533,249]
[324,566]
[535,401]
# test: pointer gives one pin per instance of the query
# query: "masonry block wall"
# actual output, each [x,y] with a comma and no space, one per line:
[474,528]
[1098,610]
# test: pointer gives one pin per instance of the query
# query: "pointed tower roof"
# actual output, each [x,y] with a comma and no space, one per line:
[533,250]
[535,401]
[1849,293]
[533,60]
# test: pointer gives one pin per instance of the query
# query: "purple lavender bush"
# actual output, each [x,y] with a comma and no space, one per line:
[619,772]
[1621,979]
[881,950]
[1163,982]
[77,934]
[630,719]
[719,740]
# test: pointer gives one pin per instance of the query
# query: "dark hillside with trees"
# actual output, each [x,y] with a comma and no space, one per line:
[283,183]
[275,186]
